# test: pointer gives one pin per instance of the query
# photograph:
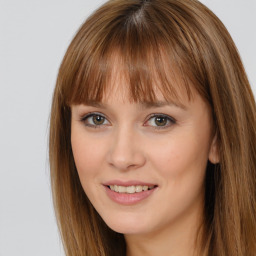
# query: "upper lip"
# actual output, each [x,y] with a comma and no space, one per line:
[128,183]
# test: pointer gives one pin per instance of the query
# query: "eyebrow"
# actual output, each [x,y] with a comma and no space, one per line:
[144,105]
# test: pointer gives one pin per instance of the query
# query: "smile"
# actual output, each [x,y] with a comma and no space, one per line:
[130,189]
[129,193]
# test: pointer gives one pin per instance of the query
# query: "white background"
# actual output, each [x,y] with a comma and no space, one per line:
[34,35]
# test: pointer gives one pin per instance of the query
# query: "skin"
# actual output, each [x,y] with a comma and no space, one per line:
[130,146]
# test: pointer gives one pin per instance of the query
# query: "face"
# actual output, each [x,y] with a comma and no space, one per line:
[142,166]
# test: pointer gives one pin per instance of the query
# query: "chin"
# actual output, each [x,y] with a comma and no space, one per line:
[127,225]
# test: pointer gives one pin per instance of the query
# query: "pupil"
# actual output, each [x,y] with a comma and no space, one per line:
[98,120]
[160,121]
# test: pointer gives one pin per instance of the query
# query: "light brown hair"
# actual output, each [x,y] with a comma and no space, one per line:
[170,38]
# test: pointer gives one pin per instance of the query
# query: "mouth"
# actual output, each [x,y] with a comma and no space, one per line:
[129,193]
[131,189]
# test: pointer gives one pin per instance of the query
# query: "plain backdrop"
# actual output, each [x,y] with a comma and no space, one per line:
[34,35]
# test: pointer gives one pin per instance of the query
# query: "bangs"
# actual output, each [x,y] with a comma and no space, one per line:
[129,49]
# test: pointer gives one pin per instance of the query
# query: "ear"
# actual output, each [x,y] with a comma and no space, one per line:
[214,157]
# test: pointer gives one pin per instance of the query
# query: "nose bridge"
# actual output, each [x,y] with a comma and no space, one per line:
[125,151]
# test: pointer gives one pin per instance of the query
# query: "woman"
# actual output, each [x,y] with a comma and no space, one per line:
[152,137]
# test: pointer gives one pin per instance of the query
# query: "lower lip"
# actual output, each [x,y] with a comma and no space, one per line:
[128,199]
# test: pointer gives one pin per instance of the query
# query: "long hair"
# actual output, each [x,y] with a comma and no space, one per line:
[159,40]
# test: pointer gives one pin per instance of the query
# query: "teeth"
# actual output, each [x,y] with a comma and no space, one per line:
[121,189]
[145,188]
[130,189]
[138,189]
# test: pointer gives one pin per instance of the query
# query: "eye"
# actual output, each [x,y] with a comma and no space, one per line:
[95,120]
[160,121]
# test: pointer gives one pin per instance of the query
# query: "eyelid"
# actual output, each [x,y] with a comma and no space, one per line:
[84,116]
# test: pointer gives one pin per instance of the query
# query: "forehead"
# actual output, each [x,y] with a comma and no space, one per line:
[119,87]
[140,78]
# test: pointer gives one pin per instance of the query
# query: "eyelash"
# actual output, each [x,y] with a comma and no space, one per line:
[169,119]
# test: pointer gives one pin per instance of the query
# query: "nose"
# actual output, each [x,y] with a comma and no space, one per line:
[126,151]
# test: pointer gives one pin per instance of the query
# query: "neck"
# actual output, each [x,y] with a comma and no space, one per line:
[177,239]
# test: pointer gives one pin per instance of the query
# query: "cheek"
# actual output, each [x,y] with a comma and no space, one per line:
[87,154]
[183,155]
[88,157]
